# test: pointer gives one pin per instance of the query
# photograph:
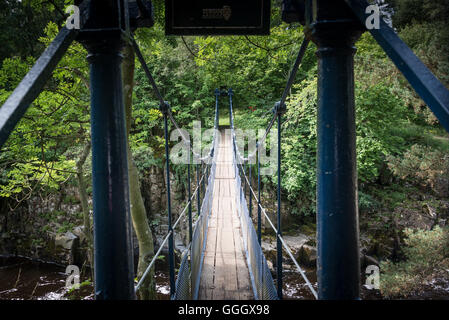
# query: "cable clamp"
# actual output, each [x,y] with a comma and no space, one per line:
[164,107]
[279,108]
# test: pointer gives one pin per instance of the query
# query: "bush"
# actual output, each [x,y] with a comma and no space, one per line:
[424,167]
[427,257]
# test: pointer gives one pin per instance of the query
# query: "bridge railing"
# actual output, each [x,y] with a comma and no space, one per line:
[189,275]
[261,274]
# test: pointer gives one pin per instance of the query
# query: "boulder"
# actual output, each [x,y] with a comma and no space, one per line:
[366,261]
[66,240]
[79,232]
[307,256]
[296,242]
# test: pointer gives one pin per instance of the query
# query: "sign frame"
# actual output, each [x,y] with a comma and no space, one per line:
[214,18]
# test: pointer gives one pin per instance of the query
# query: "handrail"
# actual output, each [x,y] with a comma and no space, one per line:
[150,265]
[287,248]
[278,110]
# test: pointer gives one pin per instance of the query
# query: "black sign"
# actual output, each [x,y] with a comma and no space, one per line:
[217,17]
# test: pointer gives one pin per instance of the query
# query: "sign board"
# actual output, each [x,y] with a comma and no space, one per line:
[217,17]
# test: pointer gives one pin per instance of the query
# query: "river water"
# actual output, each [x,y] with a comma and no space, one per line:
[25,279]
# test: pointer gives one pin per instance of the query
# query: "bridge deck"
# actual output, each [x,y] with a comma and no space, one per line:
[225,272]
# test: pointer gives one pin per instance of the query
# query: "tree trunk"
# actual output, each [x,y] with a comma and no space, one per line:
[138,212]
[85,205]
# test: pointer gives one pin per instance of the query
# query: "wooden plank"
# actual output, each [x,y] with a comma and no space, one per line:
[207,278]
[243,280]
[225,272]
[219,281]
[211,242]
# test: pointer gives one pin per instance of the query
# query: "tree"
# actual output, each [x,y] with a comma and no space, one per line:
[51,143]
[138,211]
[27,18]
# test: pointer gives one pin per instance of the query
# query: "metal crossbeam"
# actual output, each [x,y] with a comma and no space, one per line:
[429,88]
[33,83]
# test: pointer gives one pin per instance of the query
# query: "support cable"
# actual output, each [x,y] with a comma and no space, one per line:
[286,247]
[144,275]
[291,79]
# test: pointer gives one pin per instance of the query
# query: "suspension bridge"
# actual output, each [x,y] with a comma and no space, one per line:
[224,258]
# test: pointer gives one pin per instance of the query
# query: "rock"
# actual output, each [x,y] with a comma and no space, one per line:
[66,240]
[296,242]
[307,256]
[268,246]
[366,260]
[429,210]
[79,232]
[179,244]
[409,218]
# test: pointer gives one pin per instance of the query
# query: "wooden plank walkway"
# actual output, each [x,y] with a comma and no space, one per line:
[225,273]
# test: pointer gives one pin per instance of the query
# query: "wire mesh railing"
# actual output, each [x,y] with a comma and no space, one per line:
[199,238]
[165,240]
[243,207]
[259,276]
[284,244]
[187,281]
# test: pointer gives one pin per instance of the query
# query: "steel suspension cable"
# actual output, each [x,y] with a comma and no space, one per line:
[278,110]
[150,265]
[147,71]
[291,78]
[285,93]
[158,94]
[171,256]
[286,247]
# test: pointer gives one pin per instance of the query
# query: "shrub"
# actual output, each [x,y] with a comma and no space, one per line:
[427,257]
[423,166]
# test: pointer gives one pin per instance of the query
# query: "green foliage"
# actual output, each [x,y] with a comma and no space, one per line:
[367,203]
[22,23]
[412,11]
[374,138]
[66,226]
[427,257]
[39,155]
[74,292]
[22,176]
[422,166]
[299,145]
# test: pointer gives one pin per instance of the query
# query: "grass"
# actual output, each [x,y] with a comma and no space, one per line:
[223,118]
[436,138]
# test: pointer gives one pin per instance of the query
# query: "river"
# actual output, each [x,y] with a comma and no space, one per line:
[26,279]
